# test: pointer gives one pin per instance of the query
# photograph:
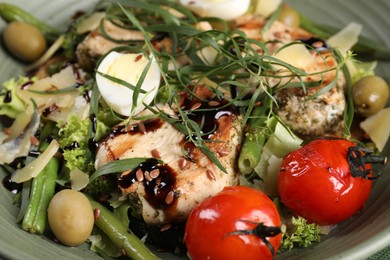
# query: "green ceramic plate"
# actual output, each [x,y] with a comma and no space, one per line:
[358,238]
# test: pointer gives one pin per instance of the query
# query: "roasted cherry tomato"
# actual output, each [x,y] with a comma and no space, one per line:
[237,223]
[327,180]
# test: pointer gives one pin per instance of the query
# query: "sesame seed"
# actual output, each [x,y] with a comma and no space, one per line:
[139,175]
[169,198]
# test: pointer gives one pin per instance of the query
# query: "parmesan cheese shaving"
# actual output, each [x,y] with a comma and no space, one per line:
[345,39]
[377,127]
[267,7]
[34,168]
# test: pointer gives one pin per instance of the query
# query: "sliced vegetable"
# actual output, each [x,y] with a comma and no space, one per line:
[280,142]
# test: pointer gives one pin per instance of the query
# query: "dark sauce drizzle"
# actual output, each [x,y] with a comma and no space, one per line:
[34,153]
[86,96]
[11,186]
[93,144]
[26,85]
[207,116]
[47,111]
[156,189]
[147,126]
[8,97]
[317,43]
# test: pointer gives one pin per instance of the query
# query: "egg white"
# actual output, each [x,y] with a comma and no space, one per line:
[224,9]
[127,67]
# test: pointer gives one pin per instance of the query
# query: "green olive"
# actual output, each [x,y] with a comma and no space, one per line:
[24,41]
[289,16]
[370,95]
[70,217]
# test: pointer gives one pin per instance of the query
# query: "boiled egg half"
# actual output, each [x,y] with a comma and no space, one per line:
[127,67]
[224,9]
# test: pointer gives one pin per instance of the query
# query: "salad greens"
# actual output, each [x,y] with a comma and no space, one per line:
[11,105]
[73,138]
[300,233]
[241,70]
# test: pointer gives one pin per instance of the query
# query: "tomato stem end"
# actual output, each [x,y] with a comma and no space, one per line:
[359,157]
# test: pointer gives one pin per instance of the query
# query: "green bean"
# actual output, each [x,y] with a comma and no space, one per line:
[251,151]
[42,190]
[35,196]
[25,199]
[255,138]
[47,194]
[120,235]
[11,13]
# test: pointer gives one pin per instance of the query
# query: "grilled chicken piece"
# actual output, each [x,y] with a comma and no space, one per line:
[318,116]
[167,193]
[306,116]
[95,44]
[275,37]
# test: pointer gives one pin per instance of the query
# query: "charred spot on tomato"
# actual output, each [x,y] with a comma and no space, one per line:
[261,231]
[359,157]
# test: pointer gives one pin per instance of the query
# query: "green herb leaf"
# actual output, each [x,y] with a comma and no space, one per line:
[120,166]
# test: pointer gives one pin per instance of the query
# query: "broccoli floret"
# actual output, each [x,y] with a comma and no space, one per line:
[10,103]
[101,130]
[300,234]
[102,186]
[73,138]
